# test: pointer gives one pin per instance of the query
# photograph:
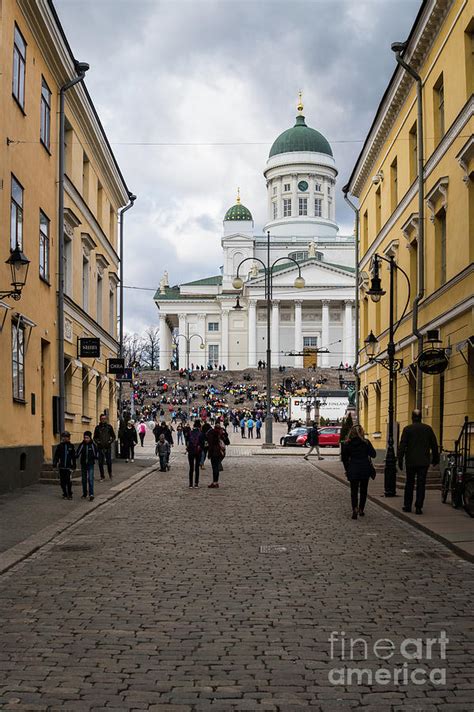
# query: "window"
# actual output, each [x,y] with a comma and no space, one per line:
[303,206]
[67,384]
[112,225]
[111,312]
[414,266]
[286,187]
[213,326]
[18,360]
[286,207]
[440,248]
[45,115]
[274,190]
[378,211]
[393,185]
[318,207]
[100,198]
[16,215]
[329,208]
[86,168]
[299,256]
[85,392]
[68,265]
[438,101]
[318,187]
[44,246]
[413,146]
[365,231]
[275,211]
[85,283]
[310,342]
[100,283]
[469,55]
[329,190]
[19,64]
[213,353]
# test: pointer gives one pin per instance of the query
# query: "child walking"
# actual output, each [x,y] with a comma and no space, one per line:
[87,454]
[65,457]
[163,450]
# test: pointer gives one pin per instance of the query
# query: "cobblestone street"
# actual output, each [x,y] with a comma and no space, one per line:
[163,599]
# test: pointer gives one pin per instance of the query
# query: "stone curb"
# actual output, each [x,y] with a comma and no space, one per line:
[25,548]
[405,518]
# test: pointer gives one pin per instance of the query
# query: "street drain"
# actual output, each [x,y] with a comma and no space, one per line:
[73,547]
[284,548]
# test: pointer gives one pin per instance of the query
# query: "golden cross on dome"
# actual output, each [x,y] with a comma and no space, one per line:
[238,196]
[300,103]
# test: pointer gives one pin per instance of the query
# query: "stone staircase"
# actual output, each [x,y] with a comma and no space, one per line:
[49,475]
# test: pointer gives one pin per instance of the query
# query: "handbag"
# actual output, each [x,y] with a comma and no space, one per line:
[372,470]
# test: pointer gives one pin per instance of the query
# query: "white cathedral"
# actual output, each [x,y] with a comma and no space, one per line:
[312,324]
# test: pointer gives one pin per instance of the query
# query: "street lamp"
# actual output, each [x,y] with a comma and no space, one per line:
[19,265]
[188,348]
[371,346]
[238,284]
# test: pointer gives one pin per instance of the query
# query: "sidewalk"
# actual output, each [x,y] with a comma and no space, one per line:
[452,527]
[31,516]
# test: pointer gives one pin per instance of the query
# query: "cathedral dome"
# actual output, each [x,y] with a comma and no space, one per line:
[238,211]
[300,138]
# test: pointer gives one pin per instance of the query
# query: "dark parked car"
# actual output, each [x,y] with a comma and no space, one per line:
[292,437]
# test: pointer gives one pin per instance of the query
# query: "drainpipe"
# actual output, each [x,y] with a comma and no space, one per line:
[81,69]
[132,198]
[345,191]
[398,48]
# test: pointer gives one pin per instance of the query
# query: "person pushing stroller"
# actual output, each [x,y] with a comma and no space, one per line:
[163,450]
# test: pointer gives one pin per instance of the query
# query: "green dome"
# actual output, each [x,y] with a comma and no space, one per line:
[238,212]
[300,138]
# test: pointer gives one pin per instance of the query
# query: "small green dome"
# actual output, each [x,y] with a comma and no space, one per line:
[238,212]
[300,138]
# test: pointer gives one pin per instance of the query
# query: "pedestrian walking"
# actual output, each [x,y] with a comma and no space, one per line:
[65,458]
[142,432]
[162,428]
[258,428]
[104,436]
[313,441]
[194,448]
[250,424]
[87,454]
[205,429]
[419,448]
[163,450]
[242,426]
[180,434]
[217,439]
[356,454]
[129,438]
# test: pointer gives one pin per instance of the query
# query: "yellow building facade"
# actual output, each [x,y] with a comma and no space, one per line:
[440,49]
[36,61]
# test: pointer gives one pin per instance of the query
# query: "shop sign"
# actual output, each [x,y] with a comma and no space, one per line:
[433,361]
[115,365]
[89,348]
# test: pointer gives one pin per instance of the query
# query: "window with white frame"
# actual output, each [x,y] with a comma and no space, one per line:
[45,114]
[318,187]
[67,265]
[213,326]
[329,209]
[286,187]
[99,298]
[329,190]
[16,215]
[18,360]
[213,353]
[275,211]
[302,206]
[111,312]
[286,207]
[85,283]
[274,190]
[318,207]
[44,246]
[19,64]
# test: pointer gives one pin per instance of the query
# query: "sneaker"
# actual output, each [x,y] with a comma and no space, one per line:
[418,510]
[91,498]
[102,477]
[212,485]
[306,457]
[70,496]
[320,458]
[190,486]
[132,460]
[406,509]
[196,486]
[126,460]
[84,496]
[64,496]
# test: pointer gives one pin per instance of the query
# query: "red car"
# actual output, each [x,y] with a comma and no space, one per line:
[329,436]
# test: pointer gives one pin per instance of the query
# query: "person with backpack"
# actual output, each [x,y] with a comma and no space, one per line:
[194,447]
[313,441]
[356,454]
[217,439]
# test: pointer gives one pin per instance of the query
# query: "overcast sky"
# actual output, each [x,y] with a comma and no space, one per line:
[169,72]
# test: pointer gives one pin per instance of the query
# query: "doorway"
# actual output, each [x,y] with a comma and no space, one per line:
[310,354]
[45,380]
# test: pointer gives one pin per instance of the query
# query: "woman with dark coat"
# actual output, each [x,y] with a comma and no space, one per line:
[356,453]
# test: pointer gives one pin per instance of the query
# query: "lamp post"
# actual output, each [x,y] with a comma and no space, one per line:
[391,363]
[132,198]
[238,284]
[81,69]
[19,265]
[188,338]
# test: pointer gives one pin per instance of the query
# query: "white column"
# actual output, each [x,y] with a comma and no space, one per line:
[348,350]
[200,355]
[182,342]
[298,334]
[325,332]
[275,336]
[224,358]
[165,355]
[252,333]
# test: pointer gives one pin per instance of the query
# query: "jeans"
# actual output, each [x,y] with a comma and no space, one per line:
[128,452]
[250,433]
[142,437]
[203,457]
[258,433]
[313,447]
[180,437]
[418,473]
[105,454]
[242,431]
[194,461]
[87,472]
[65,480]
[355,486]
[163,462]
[215,462]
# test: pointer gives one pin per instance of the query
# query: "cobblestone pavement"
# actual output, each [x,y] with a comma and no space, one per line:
[163,600]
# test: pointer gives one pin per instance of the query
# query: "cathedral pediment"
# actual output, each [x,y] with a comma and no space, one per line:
[315,273]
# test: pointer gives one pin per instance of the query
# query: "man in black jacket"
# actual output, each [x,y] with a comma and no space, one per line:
[419,448]
[103,438]
[313,441]
[65,457]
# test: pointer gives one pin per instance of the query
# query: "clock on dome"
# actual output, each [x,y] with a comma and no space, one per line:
[303,186]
